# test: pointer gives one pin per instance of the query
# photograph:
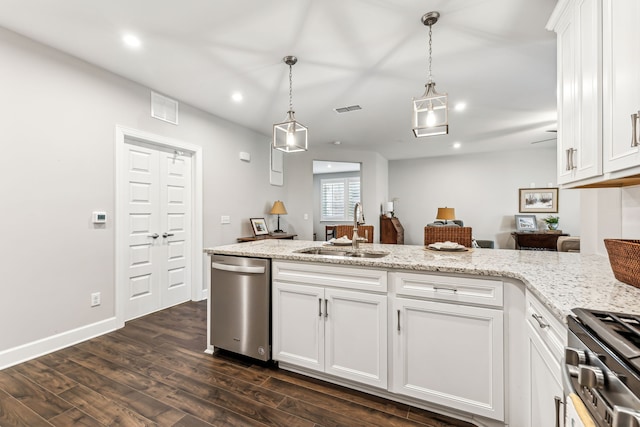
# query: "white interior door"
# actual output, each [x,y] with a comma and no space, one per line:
[157,202]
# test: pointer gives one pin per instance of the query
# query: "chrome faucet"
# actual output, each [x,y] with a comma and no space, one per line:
[357,219]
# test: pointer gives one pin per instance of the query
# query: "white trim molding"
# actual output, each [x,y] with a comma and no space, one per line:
[22,353]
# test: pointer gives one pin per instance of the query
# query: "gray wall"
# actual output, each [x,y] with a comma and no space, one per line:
[57,166]
[299,178]
[483,189]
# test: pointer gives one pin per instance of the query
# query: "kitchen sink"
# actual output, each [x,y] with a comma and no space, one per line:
[343,253]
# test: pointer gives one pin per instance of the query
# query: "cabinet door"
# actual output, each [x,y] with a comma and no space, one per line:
[356,336]
[544,382]
[450,354]
[580,92]
[298,325]
[621,40]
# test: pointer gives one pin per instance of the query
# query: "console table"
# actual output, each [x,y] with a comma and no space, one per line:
[267,236]
[533,241]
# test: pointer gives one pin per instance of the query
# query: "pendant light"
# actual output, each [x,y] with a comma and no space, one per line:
[290,136]
[430,112]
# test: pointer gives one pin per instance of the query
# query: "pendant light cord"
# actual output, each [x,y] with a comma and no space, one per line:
[290,89]
[430,78]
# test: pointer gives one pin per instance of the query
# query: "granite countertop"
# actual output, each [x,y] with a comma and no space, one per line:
[561,280]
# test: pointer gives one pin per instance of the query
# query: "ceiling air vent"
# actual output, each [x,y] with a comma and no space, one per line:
[347,109]
[163,108]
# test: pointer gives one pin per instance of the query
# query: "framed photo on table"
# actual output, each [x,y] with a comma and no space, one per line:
[539,200]
[259,226]
[526,223]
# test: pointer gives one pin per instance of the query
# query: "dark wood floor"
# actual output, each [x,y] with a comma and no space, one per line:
[154,372]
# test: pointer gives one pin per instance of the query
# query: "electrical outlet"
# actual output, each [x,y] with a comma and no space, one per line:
[95,299]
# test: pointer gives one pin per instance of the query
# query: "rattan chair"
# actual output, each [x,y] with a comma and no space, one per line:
[460,235]
[347,230]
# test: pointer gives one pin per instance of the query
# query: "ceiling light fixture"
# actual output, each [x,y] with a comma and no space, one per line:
[430,112]
[290,136]
[237,97]
[132,41]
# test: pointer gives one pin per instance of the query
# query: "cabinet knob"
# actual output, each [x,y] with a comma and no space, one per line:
[591,377]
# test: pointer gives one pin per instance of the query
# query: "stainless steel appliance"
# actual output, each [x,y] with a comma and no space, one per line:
[240,305]
[602,369]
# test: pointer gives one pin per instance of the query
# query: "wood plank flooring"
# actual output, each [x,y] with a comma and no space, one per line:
[154,372]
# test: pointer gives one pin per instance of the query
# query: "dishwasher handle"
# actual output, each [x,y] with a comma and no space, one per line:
[238,268]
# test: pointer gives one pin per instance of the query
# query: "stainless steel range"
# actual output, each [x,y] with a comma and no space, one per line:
[602,369]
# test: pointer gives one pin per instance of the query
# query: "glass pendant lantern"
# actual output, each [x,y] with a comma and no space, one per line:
[290,136]
[430,111]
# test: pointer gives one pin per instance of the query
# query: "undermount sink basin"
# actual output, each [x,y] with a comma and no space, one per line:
[349,254]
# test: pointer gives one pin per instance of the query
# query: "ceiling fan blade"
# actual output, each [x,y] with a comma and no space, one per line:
[544,140]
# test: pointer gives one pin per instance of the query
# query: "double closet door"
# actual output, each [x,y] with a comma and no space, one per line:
[157,200]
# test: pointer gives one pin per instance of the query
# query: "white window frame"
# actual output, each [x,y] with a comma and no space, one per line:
[347,201]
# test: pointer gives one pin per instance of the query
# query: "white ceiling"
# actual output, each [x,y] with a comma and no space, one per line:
[494,55]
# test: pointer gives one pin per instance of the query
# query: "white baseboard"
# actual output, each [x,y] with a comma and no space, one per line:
[34,349]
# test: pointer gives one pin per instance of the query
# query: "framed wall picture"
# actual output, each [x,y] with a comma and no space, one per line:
[526,223]
[259,226]
[539,200]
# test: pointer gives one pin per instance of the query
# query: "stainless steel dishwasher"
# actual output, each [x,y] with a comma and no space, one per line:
[241,305]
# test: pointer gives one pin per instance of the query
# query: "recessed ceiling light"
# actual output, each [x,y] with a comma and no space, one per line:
[457,145]
[237,96]
[460,106]
[337,142]
[329,166]
[132,41]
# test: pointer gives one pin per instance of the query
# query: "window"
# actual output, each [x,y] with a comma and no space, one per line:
[338,197]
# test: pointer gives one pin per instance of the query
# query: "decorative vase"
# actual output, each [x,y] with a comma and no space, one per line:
[553,226]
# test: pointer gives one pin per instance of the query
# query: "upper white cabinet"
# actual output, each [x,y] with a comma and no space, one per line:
[579,91]
[621,56]
[598,90]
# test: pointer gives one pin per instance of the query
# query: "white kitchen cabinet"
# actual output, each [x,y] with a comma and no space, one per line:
[579,90]
[598,91]
[621,72]
[298,325]
[331,329]
[546,338]
[445,352]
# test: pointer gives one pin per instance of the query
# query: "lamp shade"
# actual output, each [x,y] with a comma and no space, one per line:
[446,214]
[278,208]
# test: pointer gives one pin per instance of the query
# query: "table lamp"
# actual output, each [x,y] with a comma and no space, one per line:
[278,209]
[446,214]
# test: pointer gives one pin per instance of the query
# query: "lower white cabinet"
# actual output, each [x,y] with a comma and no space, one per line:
[546,338]
[545,386]
[449,354]
[336,331]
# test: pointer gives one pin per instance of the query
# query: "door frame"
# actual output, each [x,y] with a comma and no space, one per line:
[122,134]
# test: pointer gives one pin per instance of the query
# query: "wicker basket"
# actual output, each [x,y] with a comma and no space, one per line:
[624,256]
[460,235]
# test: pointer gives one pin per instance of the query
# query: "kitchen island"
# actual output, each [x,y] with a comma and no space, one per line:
[477,334]
[561,280]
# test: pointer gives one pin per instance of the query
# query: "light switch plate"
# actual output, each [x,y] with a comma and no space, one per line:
[225,219]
